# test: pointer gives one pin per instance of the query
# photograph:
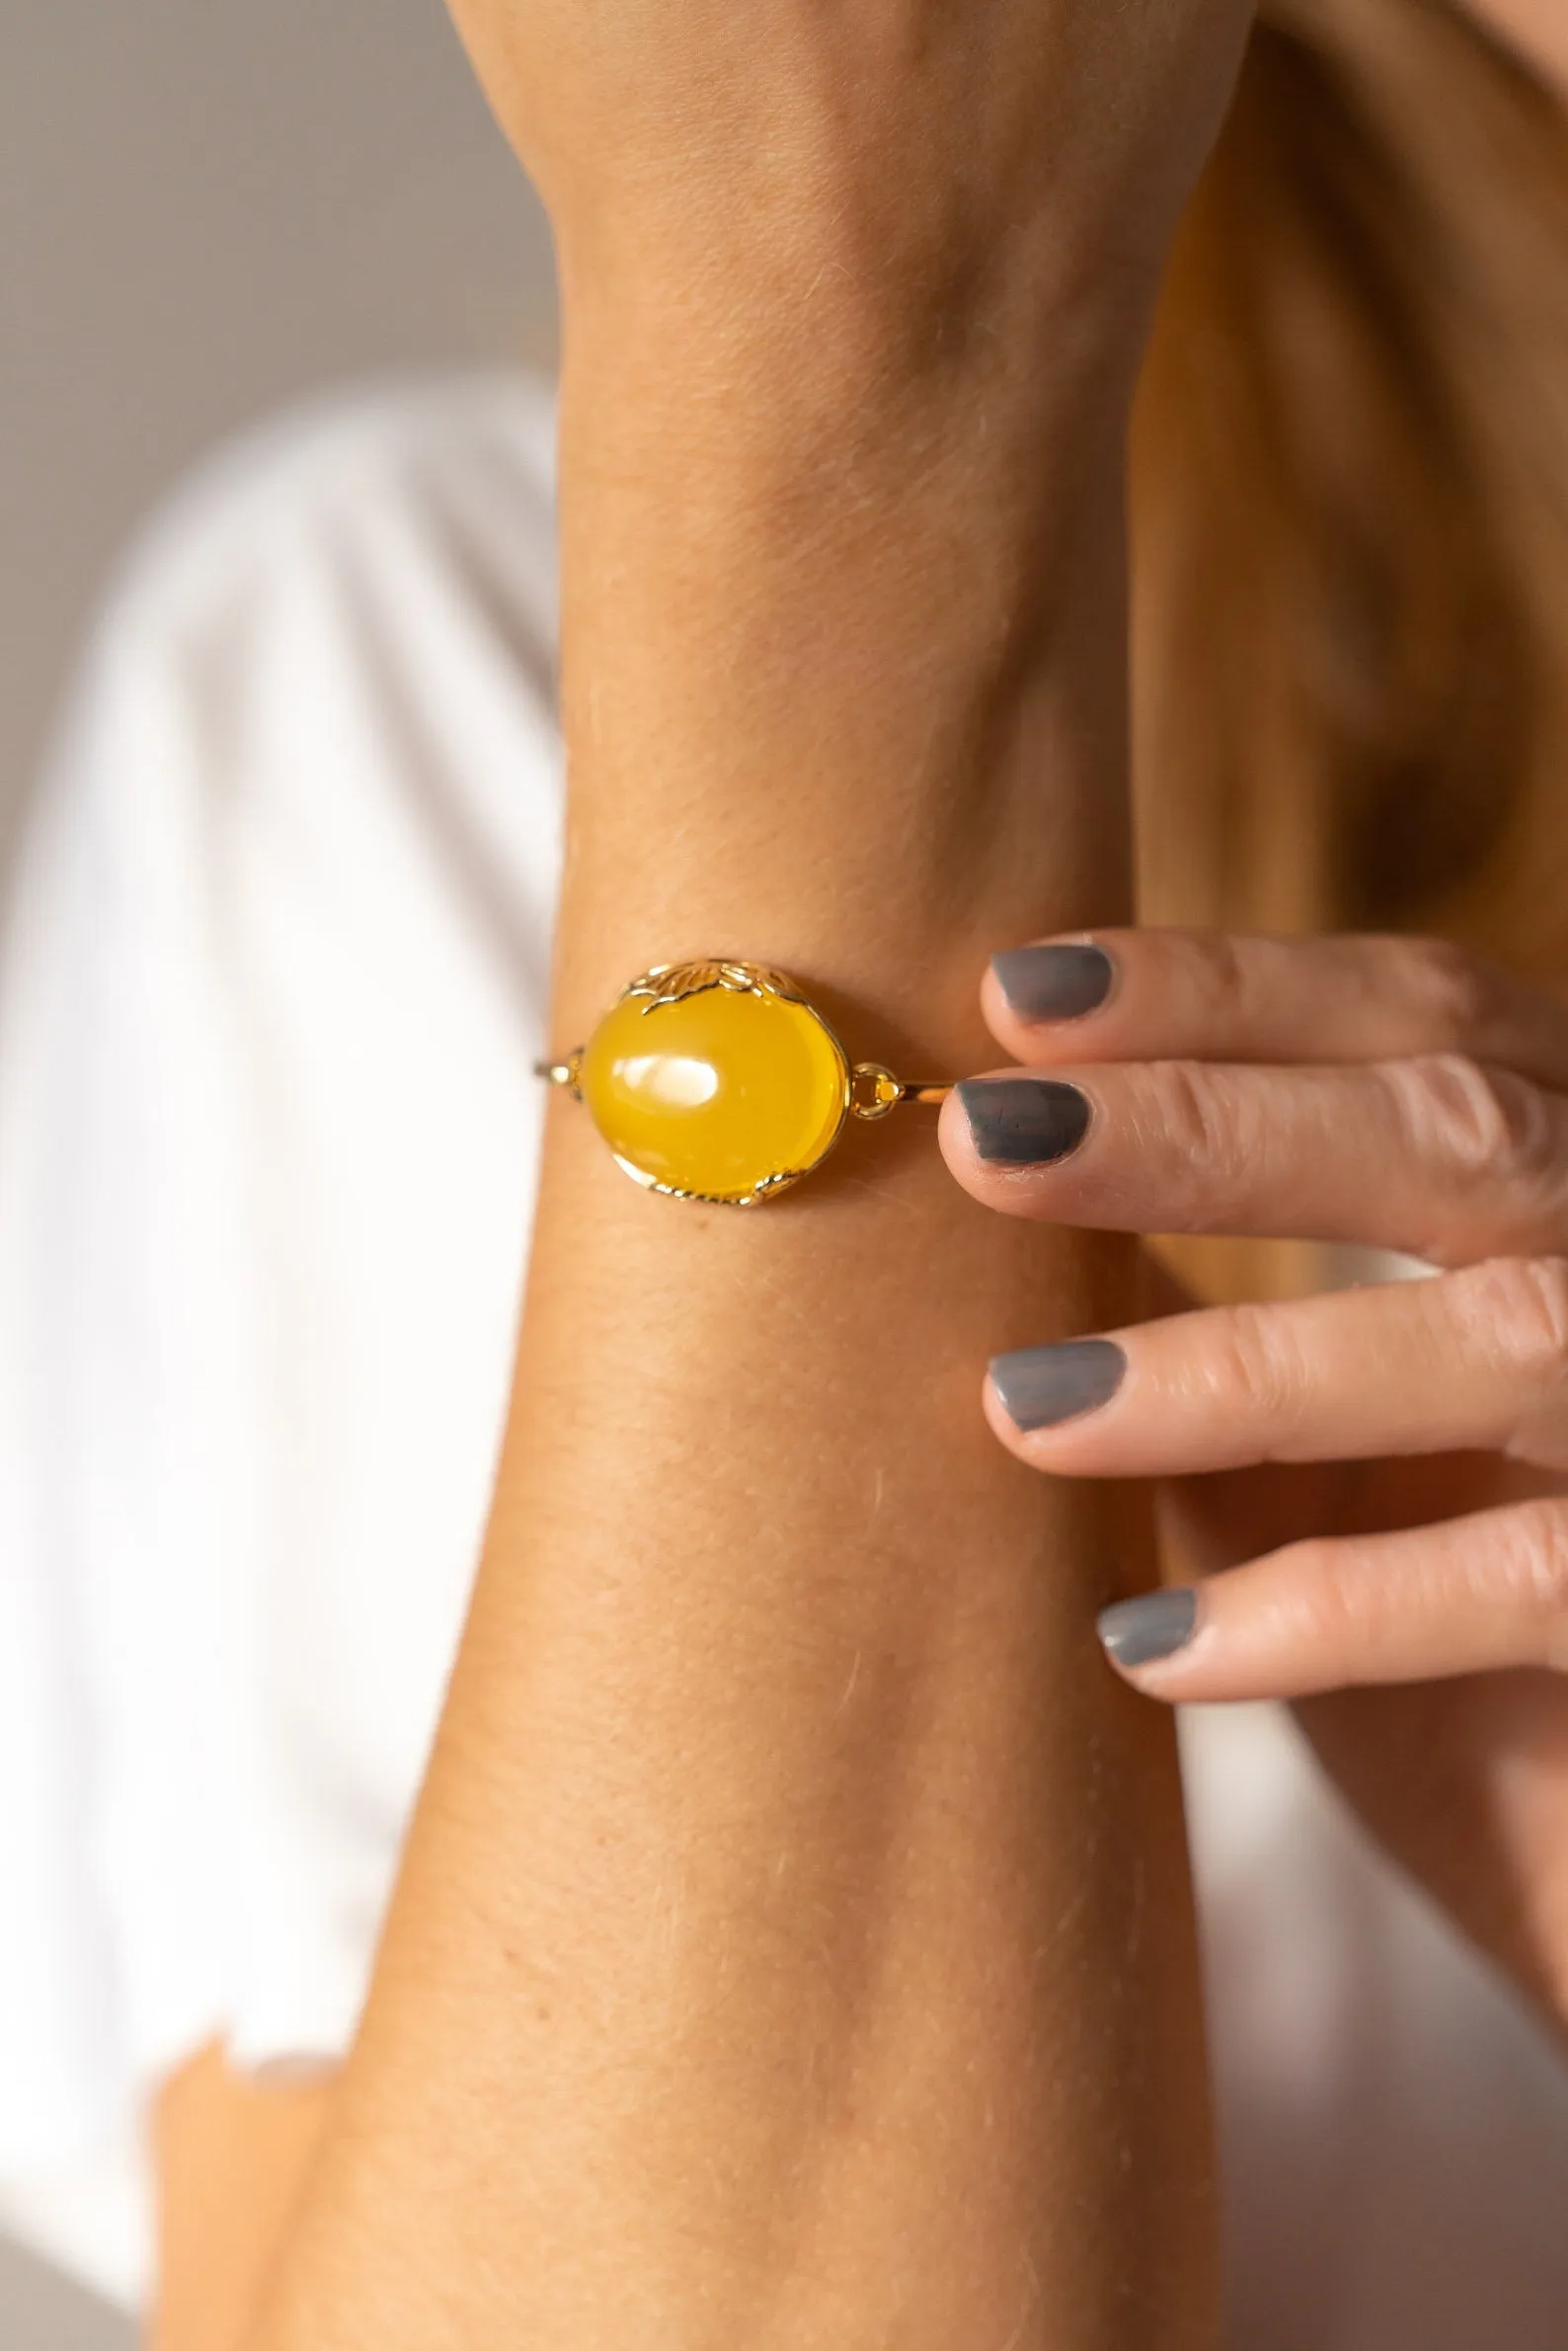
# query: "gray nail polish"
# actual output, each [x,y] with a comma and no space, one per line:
[1059,982]
[1040,1386]
[1138,1631]
[1023,1122]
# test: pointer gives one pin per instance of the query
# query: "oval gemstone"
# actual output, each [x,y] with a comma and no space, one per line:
[721,1093]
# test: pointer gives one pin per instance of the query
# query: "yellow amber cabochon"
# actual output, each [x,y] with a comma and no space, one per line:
[720,1094]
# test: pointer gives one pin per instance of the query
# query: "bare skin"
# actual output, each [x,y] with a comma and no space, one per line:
[232,2156]
[1537,28]
[559,97]
[1375,1479]
[793,1944]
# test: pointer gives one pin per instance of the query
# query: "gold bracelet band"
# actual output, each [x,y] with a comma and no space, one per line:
[718,1081]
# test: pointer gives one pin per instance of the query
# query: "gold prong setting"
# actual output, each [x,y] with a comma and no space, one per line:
[723,1105]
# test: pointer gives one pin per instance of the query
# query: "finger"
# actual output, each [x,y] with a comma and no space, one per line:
[1159,995]
[1473,1361]
[1443,1158]
[1472,1596]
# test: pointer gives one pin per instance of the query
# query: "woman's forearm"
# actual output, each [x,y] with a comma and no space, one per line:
[793,1947]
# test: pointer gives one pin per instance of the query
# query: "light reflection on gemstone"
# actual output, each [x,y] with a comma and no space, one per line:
[675,1080]
[721,1094]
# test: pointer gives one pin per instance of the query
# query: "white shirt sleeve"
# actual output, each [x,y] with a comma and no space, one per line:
[275,975]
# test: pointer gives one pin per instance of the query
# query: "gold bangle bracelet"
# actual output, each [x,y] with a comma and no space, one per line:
[718,1081]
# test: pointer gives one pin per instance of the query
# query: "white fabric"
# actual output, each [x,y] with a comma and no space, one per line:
[275,977]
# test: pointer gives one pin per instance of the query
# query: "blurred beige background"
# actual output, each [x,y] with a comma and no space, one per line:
[205,211]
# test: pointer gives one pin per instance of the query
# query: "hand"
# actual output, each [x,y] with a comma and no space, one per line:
[1372,1481]
[922,141]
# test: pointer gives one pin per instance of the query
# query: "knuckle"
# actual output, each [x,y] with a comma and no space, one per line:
[1517,1309]
[1513,1571]
[1218,974]
[1333,1594]
[1195,1115]
[1258,1365]
[1454,992]
[1533,1567]
[1201,1131]
[1473,1120]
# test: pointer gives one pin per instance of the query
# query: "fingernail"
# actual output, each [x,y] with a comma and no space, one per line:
[1023,1122]
[1040,1386]
[1136,1632]
[1053,982]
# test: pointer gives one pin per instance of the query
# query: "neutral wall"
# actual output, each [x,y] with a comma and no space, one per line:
[206,210]
[41,2311]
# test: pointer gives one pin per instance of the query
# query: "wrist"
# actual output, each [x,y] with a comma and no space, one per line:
[788,365]
[816,685]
